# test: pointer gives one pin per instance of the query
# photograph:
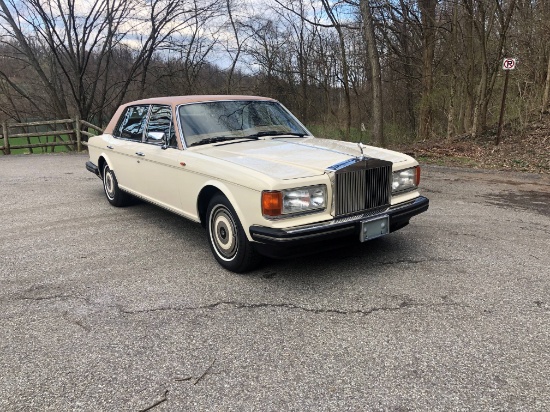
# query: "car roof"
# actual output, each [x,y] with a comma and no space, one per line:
[175,100]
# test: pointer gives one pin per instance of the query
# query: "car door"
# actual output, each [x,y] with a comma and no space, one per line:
[160,173]
[126,144]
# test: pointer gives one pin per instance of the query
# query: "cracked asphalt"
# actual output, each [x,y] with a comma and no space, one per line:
[106,309]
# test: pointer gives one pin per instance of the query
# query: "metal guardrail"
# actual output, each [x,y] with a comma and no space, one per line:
[73,129]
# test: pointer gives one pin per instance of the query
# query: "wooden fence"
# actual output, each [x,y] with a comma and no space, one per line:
[73,129]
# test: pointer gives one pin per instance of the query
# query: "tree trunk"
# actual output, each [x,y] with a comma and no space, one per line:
[451,113]
[479,114]
[468,90]
[427,10]
[377,108]
[236,58]
[490,66]
[546,96]
[345,67]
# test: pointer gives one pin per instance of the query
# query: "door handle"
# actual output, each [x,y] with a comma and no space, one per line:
[110,147]
[140,153]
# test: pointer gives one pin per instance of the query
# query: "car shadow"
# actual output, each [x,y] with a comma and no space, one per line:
[347,258]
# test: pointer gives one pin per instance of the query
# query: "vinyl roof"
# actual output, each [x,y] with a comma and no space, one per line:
[175,100]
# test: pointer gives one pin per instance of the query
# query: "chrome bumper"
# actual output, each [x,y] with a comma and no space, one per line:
[399,216]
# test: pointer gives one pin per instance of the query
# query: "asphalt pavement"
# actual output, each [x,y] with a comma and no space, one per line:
[125,309]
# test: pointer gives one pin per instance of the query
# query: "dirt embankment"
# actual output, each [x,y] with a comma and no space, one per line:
[527,151]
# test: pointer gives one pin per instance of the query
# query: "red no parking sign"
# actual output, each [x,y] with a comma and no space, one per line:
[509,64]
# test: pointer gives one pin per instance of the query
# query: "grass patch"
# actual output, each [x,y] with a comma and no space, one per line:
[16,141]
[393,133]
[336,133]
[431,160]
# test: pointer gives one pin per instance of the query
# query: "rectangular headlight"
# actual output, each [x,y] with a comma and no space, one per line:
[406,179]
[291,201]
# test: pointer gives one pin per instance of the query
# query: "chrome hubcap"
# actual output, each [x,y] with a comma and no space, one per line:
[223,232]
[109,183]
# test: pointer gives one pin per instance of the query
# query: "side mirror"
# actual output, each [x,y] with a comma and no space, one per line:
[155,137]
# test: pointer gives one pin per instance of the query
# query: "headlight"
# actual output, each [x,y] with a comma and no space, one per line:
[290,201]
[407,179]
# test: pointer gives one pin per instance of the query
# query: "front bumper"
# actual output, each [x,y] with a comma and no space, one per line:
[276,242]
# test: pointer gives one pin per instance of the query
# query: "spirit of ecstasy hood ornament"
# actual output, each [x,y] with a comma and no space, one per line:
[361,147]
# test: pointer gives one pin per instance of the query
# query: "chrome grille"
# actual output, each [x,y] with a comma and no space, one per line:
[364,185]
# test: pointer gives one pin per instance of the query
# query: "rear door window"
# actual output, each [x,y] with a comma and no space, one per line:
[132,123]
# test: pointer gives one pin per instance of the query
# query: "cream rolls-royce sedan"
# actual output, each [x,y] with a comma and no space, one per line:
[253,175]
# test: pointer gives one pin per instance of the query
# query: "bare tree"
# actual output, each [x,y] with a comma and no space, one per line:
[165,18]
[451,111]
[428,13]
[374,58]
[344,62]
[81,41]
[239,43]
[415,67]
[546,95]
[488,16]
[21,44]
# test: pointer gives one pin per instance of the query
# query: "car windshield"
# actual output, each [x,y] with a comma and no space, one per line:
[218,121]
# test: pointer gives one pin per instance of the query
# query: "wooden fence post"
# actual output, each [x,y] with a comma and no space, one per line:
[6,139]
[78,134]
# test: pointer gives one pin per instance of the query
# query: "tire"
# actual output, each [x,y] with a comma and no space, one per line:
[114,195]
[227,239]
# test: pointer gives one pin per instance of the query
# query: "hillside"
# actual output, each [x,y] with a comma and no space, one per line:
[525,151]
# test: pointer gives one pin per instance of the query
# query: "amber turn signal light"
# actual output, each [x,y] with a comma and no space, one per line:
[272,203]
[417,176]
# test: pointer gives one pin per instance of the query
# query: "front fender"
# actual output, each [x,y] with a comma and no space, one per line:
[245,201]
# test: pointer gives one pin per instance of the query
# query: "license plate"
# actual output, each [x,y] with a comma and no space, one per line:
[374,228]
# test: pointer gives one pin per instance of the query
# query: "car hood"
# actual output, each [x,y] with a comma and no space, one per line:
[292,158]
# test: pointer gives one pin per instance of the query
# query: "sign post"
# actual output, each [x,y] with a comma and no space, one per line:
[507,65]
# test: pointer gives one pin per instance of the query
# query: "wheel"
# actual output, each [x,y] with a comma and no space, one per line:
[115,196]
[227,239]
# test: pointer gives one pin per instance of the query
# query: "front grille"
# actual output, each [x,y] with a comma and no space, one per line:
[364,185]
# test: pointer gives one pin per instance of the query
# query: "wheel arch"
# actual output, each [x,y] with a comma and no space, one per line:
[100,164]
[101,161]
[208,191]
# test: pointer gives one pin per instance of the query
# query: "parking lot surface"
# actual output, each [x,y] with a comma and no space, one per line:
[105,308]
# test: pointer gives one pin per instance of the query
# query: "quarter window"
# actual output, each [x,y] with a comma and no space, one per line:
[132,123]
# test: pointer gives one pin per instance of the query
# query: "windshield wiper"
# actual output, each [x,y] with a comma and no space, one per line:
[254,136]
[275,133]
[214,140]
